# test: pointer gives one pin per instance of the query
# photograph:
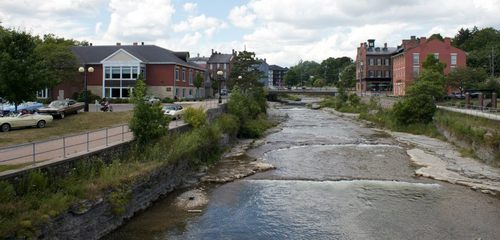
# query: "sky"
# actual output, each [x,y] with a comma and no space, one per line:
[283,32]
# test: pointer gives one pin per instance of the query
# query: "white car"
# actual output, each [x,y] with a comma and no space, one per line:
[173,110]
[24,120]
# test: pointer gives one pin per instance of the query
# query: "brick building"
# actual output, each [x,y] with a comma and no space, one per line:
[117,67]
[408,59]
[220,61]
[374,67]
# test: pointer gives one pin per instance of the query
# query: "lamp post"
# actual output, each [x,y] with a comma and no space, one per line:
[219,74]
[85,92]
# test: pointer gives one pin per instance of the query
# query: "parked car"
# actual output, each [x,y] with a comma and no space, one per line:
[60,108]
[24,120]
[173,110]
[151,100]
[6,107]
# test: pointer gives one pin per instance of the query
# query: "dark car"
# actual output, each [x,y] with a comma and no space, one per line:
[60,108]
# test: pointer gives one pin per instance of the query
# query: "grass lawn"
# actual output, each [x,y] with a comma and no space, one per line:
[82,122]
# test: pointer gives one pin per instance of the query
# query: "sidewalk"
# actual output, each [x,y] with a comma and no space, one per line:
[471,112]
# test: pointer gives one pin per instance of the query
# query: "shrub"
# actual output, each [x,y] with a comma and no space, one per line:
[7,192]
[35,182]
[119,199]
[254,128]
[415,109]
[91,97]
[167,100]
[196,117]
[227,123]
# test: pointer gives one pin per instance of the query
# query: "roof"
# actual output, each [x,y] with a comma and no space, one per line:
[277,68]
[381,51]
[220,58]
[145,53]
[198,59]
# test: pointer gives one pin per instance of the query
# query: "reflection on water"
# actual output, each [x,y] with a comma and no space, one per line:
[333,181]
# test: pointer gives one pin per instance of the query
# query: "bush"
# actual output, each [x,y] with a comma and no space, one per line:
[91,97]
[195,117]
[254,128]
[227,123]
[7,192]
[118,100]
[167,100]
[415,109]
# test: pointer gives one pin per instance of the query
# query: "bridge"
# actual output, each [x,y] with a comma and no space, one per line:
[312,91]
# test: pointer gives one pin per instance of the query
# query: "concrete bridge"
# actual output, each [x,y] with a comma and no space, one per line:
[311,91]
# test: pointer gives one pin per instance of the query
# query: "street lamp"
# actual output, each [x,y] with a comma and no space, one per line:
[220,73]
[85,92]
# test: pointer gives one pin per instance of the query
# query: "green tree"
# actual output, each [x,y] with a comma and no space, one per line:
[57,55]
[348,76]
[245,66]
[433,64]
[414,109]
[319,82]
[429,83]
[292,77]
[198,82]
[148,121]
[331,68]
[466,78]
[22,71]
[436,36]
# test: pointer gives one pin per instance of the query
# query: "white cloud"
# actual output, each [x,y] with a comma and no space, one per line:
[98,28]
[191,39]
[190,7]
[198,23]
[138,19]
[241,17]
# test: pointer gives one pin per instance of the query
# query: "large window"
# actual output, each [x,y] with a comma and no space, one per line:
[387,61]
[183,75]
[176,74]
[453,59]
[387,73]
[416,71]
[371,62]
[436,56]
[119,81]
[416,59]
[190,76]
[379,61]
[43,93]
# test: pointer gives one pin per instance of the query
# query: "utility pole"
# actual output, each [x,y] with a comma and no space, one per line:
[492,62]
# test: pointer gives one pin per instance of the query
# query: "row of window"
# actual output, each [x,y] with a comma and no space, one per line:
[191,75]
[453,58]
[380,61]
[217,66]
[121,72]
[379,74]
[190,92]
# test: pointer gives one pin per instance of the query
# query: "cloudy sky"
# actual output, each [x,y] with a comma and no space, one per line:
[282,31]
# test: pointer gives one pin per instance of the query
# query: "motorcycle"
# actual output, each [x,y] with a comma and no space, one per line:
[106,107]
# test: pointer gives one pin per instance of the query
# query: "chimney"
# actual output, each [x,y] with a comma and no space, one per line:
[142,43]
[447,40]
[412,37]
[91,44]
[385,45]
[198,55]
[233,51]
[135,43]
[118,44]
[212,51]
[371,43]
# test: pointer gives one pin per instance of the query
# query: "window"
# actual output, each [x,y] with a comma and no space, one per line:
[387,61]
[436,56]
[211,66]
[176,92]
[453,59]
[115,72]
[387,74]
[190,92]
[416,71]
[416,59]
[370,73]
[176,74]
[107,72]
[183,92]
[183,75]
[190,76]
[126,73]
[370,62]
[43,93]
[225,65]
[135,72]
[379,61]
[218,66]
[379,73]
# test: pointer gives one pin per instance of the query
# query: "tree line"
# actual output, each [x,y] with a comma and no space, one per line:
[30,63]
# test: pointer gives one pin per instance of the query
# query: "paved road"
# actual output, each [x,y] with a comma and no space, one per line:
[79,144]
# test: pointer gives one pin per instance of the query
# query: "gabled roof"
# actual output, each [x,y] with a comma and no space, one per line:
[145,53]
[220,58]
[381,51]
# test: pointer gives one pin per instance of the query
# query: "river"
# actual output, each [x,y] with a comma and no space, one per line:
[334,179]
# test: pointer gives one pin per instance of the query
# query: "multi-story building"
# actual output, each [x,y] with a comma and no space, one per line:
[408,59]
[374,67]
[221,61]
[202,62]
[263,67]
[277,75]
[117,67]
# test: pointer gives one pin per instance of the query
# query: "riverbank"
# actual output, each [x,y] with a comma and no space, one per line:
[441,160]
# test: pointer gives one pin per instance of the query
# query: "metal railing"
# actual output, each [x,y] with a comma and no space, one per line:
[478,111]
[64,147]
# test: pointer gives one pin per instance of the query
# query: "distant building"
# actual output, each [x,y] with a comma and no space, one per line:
[263,67]
[221,61]
[117,67]
[277,75]
[374,67]
[203,63]
[408,59]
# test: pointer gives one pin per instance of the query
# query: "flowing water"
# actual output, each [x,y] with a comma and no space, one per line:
[334,180]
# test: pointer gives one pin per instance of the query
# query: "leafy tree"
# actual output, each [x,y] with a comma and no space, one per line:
[414,109]
[292,77]
[22,70]
[57,55]
[148,121]
[461,37]
[466,78]
[319,82]
[245,66]
[331,68]
[198,82]
[433,64]
[348,76]
[436,36]
[429,83]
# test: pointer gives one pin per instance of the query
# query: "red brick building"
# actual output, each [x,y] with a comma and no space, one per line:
[408,59]
[374,67]
[117,67]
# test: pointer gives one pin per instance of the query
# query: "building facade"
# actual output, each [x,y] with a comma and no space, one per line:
[374,67]
[277,75]
[220,61]
[408,59]
[117,67]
